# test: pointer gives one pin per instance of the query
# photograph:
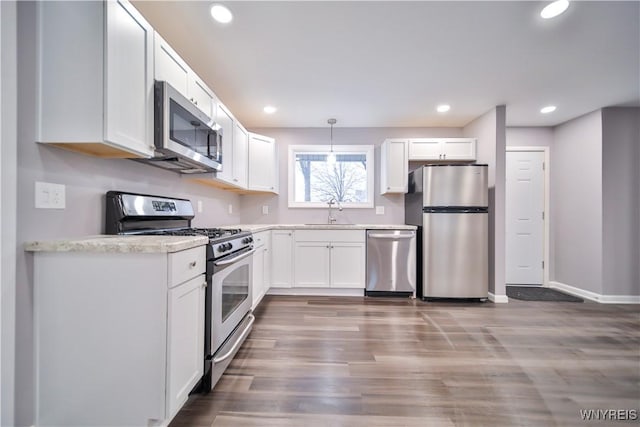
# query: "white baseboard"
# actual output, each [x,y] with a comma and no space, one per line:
[328,292]
[498,299]
[592,296]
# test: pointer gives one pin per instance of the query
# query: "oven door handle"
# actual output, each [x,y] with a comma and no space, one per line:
[234,259]
[238,342]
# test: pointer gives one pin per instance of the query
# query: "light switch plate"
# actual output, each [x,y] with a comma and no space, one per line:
[379,210]
[199,206]
[49,196]
[265,210]
[230,209]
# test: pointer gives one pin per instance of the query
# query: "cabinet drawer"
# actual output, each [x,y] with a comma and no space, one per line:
[185,265]
[330,235]
[261,239]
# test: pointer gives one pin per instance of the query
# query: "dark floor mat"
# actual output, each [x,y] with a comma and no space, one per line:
[536,293]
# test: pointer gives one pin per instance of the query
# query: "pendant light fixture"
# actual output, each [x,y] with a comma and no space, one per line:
[331,158]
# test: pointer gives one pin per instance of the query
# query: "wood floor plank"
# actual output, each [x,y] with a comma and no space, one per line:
[350,361]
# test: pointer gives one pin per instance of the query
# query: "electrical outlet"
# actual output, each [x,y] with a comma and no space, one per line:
[199,206]
[379,210]
[265,210]
[230,210]
[49,196]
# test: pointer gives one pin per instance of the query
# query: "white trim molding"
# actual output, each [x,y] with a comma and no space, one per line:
[592,296]
[498,299]
[328,292]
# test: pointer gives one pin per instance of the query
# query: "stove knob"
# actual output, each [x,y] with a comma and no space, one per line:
[229,246]
[250,239]
[221,248]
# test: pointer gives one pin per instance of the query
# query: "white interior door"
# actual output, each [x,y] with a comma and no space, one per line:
[525,217]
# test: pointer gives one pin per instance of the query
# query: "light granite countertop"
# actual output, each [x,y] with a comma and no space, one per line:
[163,244]
[264,227]
[119,244]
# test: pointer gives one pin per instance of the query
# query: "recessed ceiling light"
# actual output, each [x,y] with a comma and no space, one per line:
[548,109]
[554,9]
[443,108]
[221,14]
[269,109]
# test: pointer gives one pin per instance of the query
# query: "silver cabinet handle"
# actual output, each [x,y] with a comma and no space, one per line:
[192,264]
[204,284]
[238,342]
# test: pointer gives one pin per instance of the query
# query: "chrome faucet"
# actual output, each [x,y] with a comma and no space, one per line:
[332,219]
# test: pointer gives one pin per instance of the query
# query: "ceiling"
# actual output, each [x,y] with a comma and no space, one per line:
[389,63]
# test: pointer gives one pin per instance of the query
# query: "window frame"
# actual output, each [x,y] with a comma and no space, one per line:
[367,150]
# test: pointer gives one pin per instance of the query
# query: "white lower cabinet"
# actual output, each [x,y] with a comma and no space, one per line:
[329,259]
[119,336]
[261,266]
[185,344]
[347,264]
[311,266]
[281,258]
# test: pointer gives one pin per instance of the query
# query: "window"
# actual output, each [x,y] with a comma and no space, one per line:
[314,179]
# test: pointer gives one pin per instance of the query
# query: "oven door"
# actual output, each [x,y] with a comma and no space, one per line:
[231,295]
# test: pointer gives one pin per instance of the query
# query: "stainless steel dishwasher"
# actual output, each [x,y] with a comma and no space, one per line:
[391,263]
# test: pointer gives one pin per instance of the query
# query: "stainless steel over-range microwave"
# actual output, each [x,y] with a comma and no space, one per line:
[186,139]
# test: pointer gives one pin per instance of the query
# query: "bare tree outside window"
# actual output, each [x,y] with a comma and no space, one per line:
[344,181]
[315,176]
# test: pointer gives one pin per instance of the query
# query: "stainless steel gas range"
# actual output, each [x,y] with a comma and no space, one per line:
[228,317]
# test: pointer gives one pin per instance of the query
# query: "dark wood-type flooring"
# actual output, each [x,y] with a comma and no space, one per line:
[334,361]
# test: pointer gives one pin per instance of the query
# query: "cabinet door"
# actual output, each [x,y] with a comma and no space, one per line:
[394,162]
[128,78]
[262,163]
[225,120]
[347,265]
[425,149]
[169,67]
[240,155]
[459,149]
[311,265]
[185,341]
[258,276]
[201,96]
[281,258]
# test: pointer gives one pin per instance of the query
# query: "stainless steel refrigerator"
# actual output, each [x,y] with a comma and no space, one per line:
[449,204]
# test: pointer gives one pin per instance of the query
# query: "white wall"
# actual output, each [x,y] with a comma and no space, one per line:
[279,212]
[576,202]
[490,131]
[529,136]
[87,179]
[621,201]
[7,209]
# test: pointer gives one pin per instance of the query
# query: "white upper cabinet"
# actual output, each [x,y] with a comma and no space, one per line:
[225,121]
[263,163]
[170,67]
[394,164]
[240,155]
[442,149]
[100,105]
